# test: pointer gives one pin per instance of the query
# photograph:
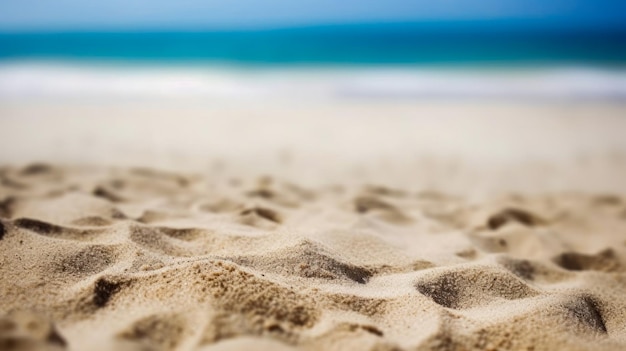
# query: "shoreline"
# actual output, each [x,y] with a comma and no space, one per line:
[68,79]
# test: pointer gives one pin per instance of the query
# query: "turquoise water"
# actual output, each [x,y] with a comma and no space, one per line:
[397,60]
[374,44]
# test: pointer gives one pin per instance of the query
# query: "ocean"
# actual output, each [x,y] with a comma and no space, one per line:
[404,60]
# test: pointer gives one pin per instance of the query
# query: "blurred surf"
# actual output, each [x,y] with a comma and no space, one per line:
[72,80]
[487,59]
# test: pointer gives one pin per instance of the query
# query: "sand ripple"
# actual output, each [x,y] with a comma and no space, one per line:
[137,259]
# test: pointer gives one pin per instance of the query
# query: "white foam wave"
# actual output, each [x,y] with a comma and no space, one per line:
[54,80]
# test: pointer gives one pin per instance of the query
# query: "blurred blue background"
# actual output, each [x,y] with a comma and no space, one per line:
[216,14]
[528,49]
[280,32]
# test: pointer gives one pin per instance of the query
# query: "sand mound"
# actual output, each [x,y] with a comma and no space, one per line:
[137,259]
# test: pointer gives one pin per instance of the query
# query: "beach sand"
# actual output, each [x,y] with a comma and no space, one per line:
[422,226]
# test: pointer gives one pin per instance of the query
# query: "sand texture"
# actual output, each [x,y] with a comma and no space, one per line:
[138,259]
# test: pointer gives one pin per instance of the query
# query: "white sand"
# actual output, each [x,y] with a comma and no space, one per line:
[384,226]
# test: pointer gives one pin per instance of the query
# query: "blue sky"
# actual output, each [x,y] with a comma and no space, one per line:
[213,14]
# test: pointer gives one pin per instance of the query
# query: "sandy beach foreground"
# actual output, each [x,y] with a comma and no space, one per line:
[352,227]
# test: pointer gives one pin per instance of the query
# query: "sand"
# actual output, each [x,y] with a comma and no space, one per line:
[316,251]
